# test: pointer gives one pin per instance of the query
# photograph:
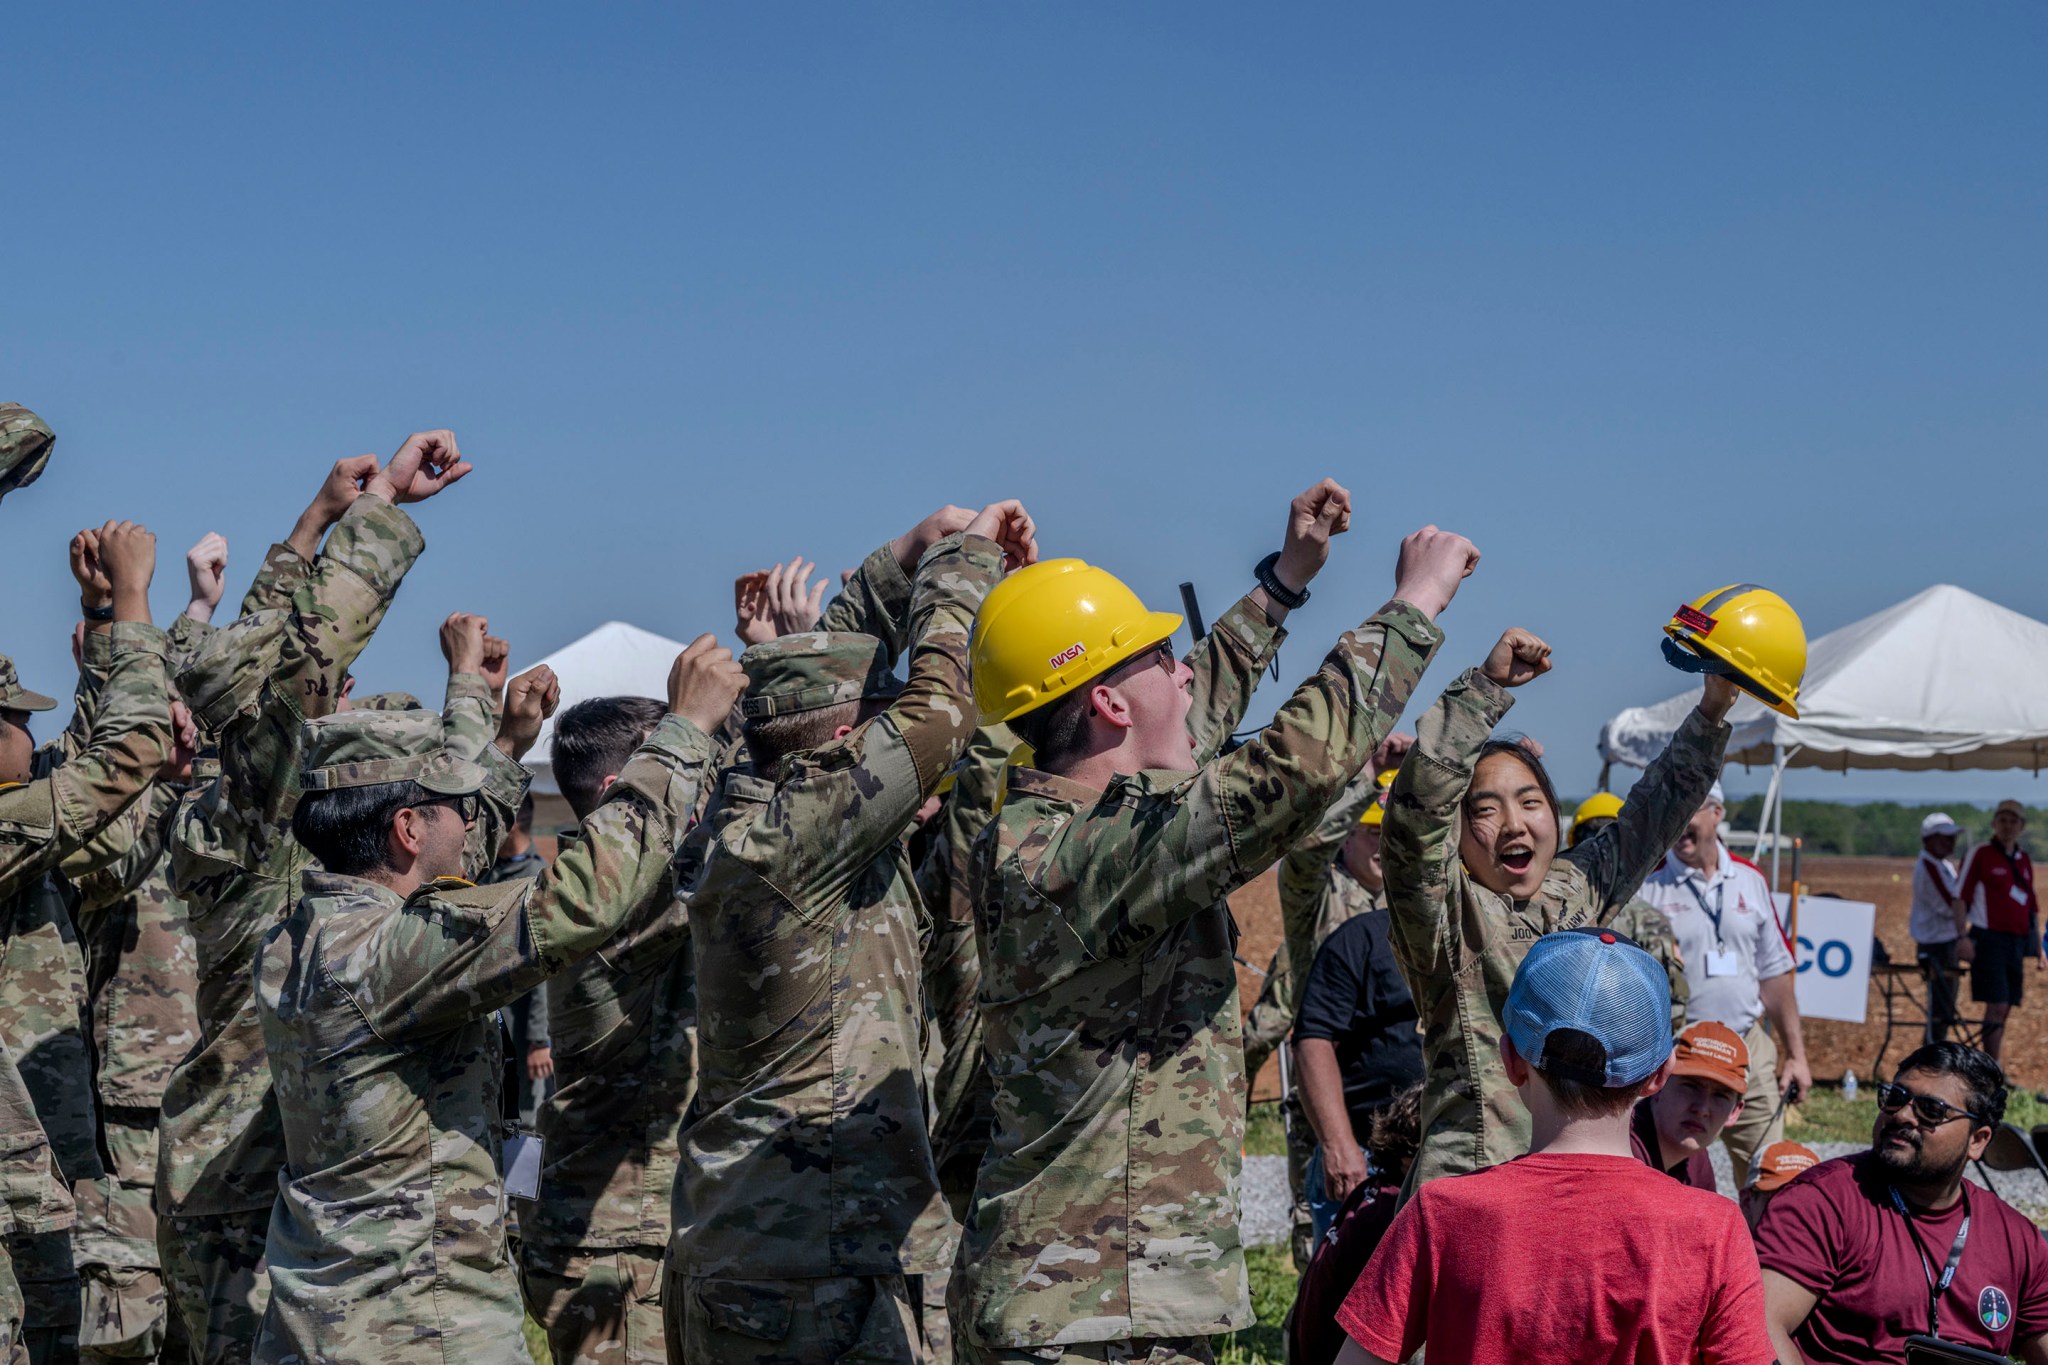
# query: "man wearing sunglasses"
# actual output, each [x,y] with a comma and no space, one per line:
[1864,1251]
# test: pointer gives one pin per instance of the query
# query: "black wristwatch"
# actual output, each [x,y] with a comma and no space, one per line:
[1275,589]
[105,613]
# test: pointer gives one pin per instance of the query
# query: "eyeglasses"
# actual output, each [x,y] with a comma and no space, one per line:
[1160,655]
[1930,1111]
[468,807]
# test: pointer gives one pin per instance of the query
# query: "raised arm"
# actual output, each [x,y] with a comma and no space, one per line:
[1616,859]
[877,599]
[1303,867]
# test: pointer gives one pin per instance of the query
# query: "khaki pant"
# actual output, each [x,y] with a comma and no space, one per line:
[1134,1351]
[598,1305]
[1761,1123]
[854,1318]
[219,1280]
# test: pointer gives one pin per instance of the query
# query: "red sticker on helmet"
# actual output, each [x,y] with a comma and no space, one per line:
[1694,619]
[1068,655]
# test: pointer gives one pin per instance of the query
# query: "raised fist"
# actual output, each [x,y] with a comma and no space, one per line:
[1516,657]
[1010,526]
[530,699]
[1312,518]
[1433,563]
[93,588]
[911,545]
[206,569]
[704,683]
[462,642]
[497,664]
[427,463]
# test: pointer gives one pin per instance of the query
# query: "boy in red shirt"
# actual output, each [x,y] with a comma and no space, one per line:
[1578,1251]
[1675,1128]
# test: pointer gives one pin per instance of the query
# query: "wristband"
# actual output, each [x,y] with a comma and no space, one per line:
[1275,589]
[105,613]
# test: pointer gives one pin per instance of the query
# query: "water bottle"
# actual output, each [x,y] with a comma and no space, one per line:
[1849,1086]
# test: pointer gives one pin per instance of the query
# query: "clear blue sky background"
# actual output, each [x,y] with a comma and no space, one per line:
[1645,299]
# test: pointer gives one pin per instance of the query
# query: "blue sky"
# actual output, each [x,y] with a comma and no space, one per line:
[1643,299]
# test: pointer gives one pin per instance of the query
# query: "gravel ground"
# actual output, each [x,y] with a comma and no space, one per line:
[1266,1197]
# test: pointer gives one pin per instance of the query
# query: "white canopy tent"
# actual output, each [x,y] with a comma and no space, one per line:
[614,660]
[1944,680]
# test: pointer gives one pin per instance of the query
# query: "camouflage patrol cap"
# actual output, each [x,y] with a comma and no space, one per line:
[368,748]
[25,445]
[805,671]
[386,701]
[15,697]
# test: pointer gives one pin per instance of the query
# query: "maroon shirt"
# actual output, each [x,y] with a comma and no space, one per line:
[1696,1170]
[1835,1231]
[1338,1261]
[2008,887]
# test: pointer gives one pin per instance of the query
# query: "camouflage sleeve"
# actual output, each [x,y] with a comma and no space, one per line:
[1305,867]
[1419,840]
[460,951]
[45,821]
[966,812]
[1126,880]
[505,784]
[1656,810]
[278,579]
[1651,929]
[875,601]
[1227,665]
[120,857]
[184,638]
[33,1195]
[255,681]
[860,794]
[95,657]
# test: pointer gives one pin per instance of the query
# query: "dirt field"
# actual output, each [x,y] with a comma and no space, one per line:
[1832,1047]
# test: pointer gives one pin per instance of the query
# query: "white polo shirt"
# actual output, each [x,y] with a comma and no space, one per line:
[1722,964]
[1935,884]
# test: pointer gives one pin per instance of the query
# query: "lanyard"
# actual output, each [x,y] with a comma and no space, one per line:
[1935,1289]
[1720,890]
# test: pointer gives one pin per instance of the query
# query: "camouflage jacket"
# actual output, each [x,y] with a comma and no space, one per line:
[1459,944]
[65,824]
[962,1099]
[233,859]
[807,1152]
[624,1035]
[34,1196]
[387,1237]
[142,970]
[1317,892]
[1651,928]
[1107,1206]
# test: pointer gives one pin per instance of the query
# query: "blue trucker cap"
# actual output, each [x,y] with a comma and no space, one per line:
[1600,983]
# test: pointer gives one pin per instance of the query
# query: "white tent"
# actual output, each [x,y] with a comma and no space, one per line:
[614,660]
[1943,680]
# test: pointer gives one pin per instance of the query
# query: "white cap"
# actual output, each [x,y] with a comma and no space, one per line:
[1939,823]
[1715,797]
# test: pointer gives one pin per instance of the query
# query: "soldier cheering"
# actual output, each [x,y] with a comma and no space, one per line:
[1474,877]
[1105,1217]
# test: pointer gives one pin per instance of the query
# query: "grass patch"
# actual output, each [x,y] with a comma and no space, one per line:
[1824,1116]
[1264,1132]
[1273,1281]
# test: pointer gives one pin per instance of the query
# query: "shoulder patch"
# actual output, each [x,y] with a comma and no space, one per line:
[28,810]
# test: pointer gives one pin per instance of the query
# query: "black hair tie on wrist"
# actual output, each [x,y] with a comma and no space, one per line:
[1275,589]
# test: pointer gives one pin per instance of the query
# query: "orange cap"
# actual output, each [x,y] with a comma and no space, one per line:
[1713,1052]
[1780,1163]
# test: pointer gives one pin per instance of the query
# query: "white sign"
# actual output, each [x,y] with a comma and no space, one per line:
[1833,980]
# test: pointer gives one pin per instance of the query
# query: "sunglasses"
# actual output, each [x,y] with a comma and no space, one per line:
[1160,655]
[468,807]
[1931,1112]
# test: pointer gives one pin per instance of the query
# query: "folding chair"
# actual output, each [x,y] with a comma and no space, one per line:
[2010,1150]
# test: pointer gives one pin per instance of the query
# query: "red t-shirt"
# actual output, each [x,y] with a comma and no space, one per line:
[1835,1231]
[2008,887]
[1589,1259]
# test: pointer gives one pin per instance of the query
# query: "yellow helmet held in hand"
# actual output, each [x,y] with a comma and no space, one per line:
[1598,806]
[1051,626]
[1376,813]
[1747,634]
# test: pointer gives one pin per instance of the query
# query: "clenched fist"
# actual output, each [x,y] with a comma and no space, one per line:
[1312,518]
[426,464]
[1433,563]
[704,683]
[1010,526]
[1516,657]
[206,570]
[127,555]
[530,699]
[462,642]
[911,545]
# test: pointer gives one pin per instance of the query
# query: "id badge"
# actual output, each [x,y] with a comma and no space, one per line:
[1723,963]
[522,1165]
[2019,895]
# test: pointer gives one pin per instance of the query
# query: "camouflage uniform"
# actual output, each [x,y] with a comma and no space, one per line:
[808,1189]
[234,862]
[34,1200]
[65,824]
[624,1024]
[25,446]
[379,1012]
[1651,928]
[1105,1217]
[526,1019]
[1459,944]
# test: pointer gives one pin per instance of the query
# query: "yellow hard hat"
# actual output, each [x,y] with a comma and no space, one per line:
[1053,625]
[1376,813]
[1749,635]
[1598,806]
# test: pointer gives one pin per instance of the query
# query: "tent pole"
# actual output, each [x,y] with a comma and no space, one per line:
[1777,808]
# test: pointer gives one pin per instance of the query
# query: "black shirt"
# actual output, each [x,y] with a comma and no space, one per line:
[1356,999]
